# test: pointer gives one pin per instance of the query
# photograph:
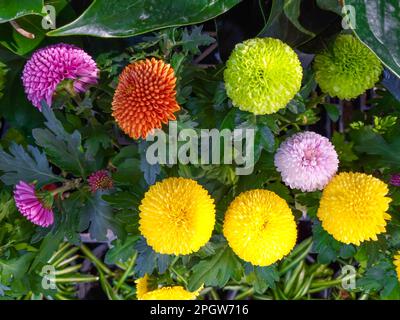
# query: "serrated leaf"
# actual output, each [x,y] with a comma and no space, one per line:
[150,171]
[261,278]
[369,142]
[68,221]
[148,260]
[64,149]
[27,165]
[99,218]
[343,148]
[194,38]
[15,268]
[217,270]
[121,250]
[327,248]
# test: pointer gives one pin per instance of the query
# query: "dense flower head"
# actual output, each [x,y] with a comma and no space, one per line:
[145,97]
[306,161]
[260,227]
[353,207]
[177,216]
[395,180]
[100,180]
[164,293]
[397,264]
[262,75]
[32,207]
[51,65]
[347,69]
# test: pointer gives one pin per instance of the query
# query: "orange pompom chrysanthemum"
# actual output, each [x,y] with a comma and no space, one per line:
[145,97]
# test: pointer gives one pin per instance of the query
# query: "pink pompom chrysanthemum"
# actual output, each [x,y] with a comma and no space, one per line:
[100,180]
[306,161]
[31,206]
[50,65]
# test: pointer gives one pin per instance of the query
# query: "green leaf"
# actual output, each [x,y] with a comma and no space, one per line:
[11,10]
[121,250]
[15,268]
[217,270]
[192,40]
[63,149]
[150,171]
[381,278]
[68,222]
[343,148]
[377,25]
[48,246]
[369,142]
[21,45]
[333,111]
[22,115]
[99,218]
[261,278]
[148,260]
[330,5]
[292,11]
[29,166]
[329,249]
[125,18]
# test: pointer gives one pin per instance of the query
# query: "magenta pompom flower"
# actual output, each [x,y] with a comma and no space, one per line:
[395,180]
[306,161]
[36,209]
[100,180]
[50,65]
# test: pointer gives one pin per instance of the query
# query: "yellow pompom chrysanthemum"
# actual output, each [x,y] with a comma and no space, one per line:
[397,264]
[353,207]
[165,293]
[177,216]
[260,227]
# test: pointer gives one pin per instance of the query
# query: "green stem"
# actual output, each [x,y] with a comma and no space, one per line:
[95,261]
[70,184]
[244,294]
[68,270]
[297,259]
[178,275]
[214,295]
[126,273]
[328,284]
[76,279]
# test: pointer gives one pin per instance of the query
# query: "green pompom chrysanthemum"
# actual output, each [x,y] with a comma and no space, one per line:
[262,75]
[2,78]
[347,69]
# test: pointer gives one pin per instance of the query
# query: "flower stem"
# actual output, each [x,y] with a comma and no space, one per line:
[69,185]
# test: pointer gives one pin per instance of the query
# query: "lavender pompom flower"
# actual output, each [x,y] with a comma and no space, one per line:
[306,161]
[50,65]
[35,208]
